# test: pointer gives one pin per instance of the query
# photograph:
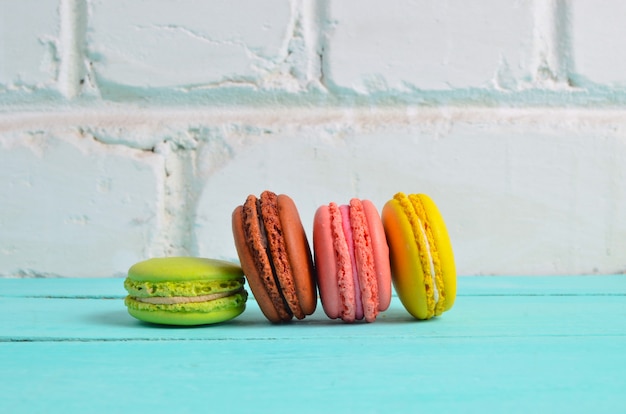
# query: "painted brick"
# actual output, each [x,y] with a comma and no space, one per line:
[193,43]
[74,207]
[598,41]
[91,186]
[28,42]
[428,44]
[517,200]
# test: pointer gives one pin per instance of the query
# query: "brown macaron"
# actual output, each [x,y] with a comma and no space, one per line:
[275,256]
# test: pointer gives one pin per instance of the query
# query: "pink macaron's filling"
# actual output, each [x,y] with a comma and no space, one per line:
[380,253]
[345,280]
[347,231]
[364,259]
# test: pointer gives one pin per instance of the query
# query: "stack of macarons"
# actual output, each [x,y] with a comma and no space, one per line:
[357,255]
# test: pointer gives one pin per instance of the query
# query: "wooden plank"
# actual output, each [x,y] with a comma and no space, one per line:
[309,375]
[509,345]
[543,285]
[63,288]
[467,286]
[40,319]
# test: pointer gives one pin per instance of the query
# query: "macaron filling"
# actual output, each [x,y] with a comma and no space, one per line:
[347,231]
[431,263]
[181,292]
[160,300]
[143,288]
[233,302]
[276,250]
[435,262]
[364,258]
[429,259]
[345,278]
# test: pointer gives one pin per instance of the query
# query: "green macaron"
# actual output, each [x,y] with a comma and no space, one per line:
[185,291]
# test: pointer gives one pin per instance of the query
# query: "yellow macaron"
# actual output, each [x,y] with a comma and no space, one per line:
[422,261]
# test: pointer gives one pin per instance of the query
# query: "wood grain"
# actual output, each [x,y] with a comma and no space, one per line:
[510,344]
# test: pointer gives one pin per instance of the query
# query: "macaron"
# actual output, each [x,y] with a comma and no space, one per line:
[352,261]
[185,291]
[422,261]
[275,256]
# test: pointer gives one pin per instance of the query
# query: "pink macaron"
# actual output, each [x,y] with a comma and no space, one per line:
[352,261]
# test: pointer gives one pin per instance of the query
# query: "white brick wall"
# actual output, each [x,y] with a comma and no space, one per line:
[73,206]
[427,44]
[168,44]
[132,128]
[28,43]
[598,41]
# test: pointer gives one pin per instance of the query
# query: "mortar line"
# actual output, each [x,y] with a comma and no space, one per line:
[178,202]
[314,16]
[322,26]
[552,48]
[72,36]
[130,116]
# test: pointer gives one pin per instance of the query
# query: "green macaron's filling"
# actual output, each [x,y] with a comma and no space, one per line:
[234,300]
[144,289]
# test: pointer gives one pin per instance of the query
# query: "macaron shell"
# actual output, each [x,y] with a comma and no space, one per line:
[406,268]
[444,248]
[255,279]
[279,255]
[299,254]
[325,263]
[189,318]
[381,253]
[168,269]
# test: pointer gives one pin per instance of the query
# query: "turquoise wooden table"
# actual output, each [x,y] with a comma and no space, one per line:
[510,344]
